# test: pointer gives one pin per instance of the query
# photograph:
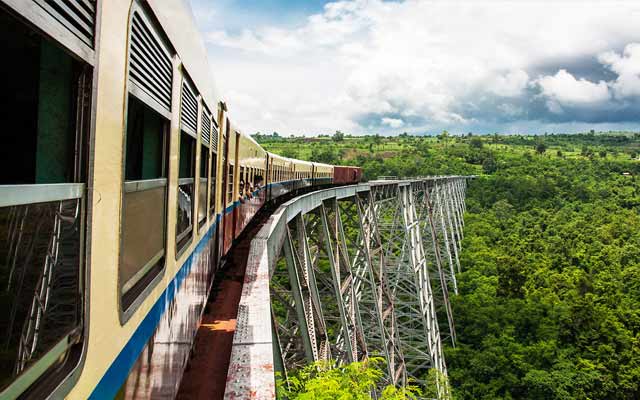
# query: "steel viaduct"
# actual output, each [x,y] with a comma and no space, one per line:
[339,274]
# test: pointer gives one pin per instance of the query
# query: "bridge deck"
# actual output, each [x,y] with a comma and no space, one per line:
[206,374]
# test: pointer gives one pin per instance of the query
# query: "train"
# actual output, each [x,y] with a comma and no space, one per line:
[124,184]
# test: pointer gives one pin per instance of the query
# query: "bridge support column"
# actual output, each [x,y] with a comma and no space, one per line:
[370,270]
[434,228]
[414,299]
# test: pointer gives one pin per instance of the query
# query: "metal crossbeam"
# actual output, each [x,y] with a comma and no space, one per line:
[363,271]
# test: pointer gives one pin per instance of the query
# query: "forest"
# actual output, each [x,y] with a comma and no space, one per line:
[549,303]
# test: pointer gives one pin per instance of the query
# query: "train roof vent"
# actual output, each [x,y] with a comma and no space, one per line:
[206,126]
[78,16]
[150,66]
[189,109]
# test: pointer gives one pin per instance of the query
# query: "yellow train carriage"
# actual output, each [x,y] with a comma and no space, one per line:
[322,174]
[249,186]
[280,172]
[302,174]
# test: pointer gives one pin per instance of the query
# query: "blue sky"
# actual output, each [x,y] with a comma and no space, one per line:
[239,14]
[421,66]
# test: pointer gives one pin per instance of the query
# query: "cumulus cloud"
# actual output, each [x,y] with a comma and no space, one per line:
[362,65]
[511,84]
[627,67]
[563,89]
[392,122]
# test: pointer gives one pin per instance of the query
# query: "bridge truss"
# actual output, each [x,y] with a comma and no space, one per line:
[349,273]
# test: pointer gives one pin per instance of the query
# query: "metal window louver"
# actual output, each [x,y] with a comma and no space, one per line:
[78,16]
[214,137]
[189,110]
[150,67]
[206,127]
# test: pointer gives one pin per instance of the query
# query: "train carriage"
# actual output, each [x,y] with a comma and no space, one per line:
[322,174]
[252,160]
[280,172]
[124,184]
[345,174]
[302,173]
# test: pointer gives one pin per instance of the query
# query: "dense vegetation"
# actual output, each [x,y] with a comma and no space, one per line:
[354,381]
[549,304]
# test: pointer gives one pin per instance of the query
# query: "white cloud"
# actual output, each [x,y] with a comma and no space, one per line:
[627,67]
[563,89]
[363,60]
[511,84]
[393,122]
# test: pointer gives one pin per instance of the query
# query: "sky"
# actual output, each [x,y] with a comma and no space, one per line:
[309,67]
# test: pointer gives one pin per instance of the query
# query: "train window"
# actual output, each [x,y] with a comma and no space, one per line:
[203,187]
[39,90]
[144,200]
[230,184]
[241,182]
[247,181]
[186,166]
[258,179]
[44,96]
[225,170]
[214,171]
[186,173]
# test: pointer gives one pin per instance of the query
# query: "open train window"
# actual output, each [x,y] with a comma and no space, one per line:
[144,205]
[45,100]
[241,182]
[203,187]
[144,201]
[186,173]
[230,184]
[186,166]
[214,171]
[214,168]
[258,179]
